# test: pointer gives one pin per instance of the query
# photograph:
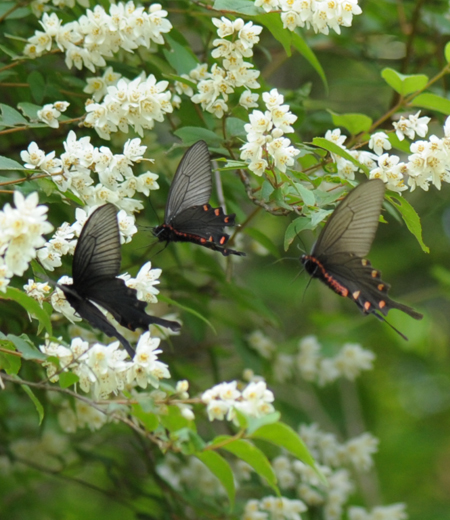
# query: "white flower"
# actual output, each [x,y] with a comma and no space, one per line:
[21,230]
[378,142]
[261,343]
[145,282]
[49,115]
[352,359]
[37,290]
[33,156]
[359,451]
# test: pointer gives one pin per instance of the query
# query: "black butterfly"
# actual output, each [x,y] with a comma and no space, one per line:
[337,256]
[96,264]
[188,216]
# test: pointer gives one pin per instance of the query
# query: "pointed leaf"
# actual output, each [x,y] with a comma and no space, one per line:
[433,102]
[30,305]
[294,228]
[36,402]
[354,123]
[254,457]
[221,469]
[402,84]
[8,362]
[8,164]
[67,379]
[26,347]
[409,215]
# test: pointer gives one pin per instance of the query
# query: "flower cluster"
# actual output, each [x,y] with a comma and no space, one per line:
[97,34]
[318,14]
[215,86]
[21,230]
[50,113]
[411,126]
[266,146]
[37,290]
[116,182]
[326,449]
[294,475]
[103,369]
[391,512]
[39,6]
[138,103]
[351,360]
[63,243]
[81,416]
[144,283]
[274,508]
[224,399]
[98,86]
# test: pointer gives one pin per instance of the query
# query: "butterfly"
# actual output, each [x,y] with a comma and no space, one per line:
[337,258]
[189,216]
[96,264]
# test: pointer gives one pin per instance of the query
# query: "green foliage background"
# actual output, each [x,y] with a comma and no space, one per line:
[404,401]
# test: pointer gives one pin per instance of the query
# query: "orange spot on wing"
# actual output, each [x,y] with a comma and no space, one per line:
[380,287]
[382,304]
[206,207]
[222,240]
[367,306]
[356,294]
[217,212]
[374,273]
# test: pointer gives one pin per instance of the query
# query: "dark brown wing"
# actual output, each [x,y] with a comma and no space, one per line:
[353,224]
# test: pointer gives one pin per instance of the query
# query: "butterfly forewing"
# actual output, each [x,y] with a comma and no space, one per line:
[97,254]
[192,184]
[353,224]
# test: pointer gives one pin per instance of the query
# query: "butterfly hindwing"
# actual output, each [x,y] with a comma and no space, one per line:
[122,302]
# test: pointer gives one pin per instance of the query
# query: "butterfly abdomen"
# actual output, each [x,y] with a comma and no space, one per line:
[316,269]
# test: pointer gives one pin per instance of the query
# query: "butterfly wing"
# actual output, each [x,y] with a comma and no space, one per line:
[355,278]
[353,224]
[122,302]
[93,315]
[97,254]
[192,184]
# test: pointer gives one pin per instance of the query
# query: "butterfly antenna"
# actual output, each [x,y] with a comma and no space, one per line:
[307,285]
[382,318]
[154,211]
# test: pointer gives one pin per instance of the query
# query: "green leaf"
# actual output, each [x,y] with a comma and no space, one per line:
[254,423]
[191,134]
[285,437]
[37,404]
[173,420]
[354,123]
[235,127]
[237,6]
[266,190]
[273,23]
[30,110]
[148,419]
[221,469]
[187,309]
[409,215]
[294,228]
[30,305]
[8,164]
[253,456]
[447,52]
[181,58]
[26,347]
[264,240]
[336,149]
[432,102]
[299,43]
[8,362]
[404,145]
[307,195]
[402,84]
[10,116]
[67,379]
[37,85]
